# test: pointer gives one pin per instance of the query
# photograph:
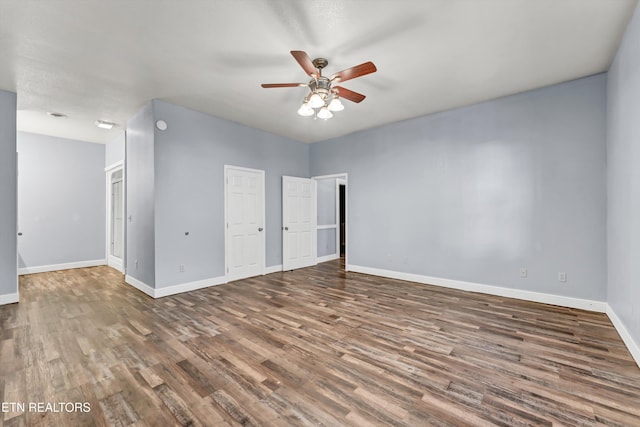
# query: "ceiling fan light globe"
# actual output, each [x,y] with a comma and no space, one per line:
[335,105]
[324,113]
[316,101]
[305,110]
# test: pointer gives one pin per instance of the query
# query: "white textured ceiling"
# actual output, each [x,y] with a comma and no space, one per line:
[98,59]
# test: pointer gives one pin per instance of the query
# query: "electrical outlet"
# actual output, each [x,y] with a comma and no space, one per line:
[523,272]
[181,268]
[562,276]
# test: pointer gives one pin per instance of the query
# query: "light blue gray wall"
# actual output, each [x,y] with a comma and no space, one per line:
[326,201]
[327,242]
[8,185]
[115,150]
[61,201]
[475,193]
[139,181]
[189,189]
[623,179]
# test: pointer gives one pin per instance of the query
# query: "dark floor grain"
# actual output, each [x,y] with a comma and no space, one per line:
[317,346]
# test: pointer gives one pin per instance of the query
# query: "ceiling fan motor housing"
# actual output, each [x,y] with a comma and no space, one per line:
[321,86]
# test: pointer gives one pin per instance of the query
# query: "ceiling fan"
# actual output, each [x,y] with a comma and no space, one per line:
[324,96]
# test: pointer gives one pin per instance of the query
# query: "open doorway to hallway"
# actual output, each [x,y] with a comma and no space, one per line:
[115,216]
[332,225]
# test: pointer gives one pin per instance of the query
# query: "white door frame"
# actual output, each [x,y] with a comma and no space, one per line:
[112,261]
[226,228]
[341,179]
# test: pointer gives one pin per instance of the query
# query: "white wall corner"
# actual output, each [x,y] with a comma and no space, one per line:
[563,301]
[9,298]
[273,269]
[628,340]
[58,267]
[141,286]
[188,287]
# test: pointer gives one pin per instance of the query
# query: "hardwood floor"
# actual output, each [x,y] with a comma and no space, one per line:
[312,347]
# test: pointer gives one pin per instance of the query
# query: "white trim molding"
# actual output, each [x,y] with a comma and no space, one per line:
[139,285]
[116,165]
[326,258]
[173,289]
[9,298]
[326,227]
[331,176]
[112,261]
[58,267]
[628,340]
[273,269]
[563,301]
[188,287]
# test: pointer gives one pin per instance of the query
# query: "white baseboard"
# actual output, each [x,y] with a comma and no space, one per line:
[141,286]
[174,289]
[584,304]
[65,266]
[273,269]
[631,344]
[187,287]
[9,298]
[327,258]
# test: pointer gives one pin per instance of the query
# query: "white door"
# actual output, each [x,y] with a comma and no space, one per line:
[245,242]
[299,247]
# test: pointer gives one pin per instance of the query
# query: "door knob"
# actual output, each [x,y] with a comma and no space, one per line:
[260,228]
[286,229]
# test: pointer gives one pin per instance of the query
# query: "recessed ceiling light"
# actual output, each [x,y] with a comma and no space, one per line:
[56,115]
[102,124]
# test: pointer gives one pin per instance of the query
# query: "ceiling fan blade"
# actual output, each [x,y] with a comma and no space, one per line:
[270,85]
[353,72]
[305,62]
[349,94]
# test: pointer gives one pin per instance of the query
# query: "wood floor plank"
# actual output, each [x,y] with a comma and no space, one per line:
[317,346]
